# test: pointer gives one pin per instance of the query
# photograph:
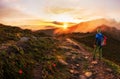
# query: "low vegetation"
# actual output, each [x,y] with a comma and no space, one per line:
[21,50]
[110,51]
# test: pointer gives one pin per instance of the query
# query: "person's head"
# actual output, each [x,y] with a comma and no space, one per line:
[98,30]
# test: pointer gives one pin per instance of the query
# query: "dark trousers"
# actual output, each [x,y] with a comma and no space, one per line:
[97,49]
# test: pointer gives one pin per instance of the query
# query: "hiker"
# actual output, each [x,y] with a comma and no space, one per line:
[99,43]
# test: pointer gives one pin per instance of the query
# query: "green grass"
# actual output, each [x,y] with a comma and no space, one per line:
[40,48]
[23,56]
[111,51]
[112,65]
[88,46]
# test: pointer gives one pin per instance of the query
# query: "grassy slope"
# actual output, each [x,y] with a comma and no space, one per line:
[112,61]
[24,55]
[111,51]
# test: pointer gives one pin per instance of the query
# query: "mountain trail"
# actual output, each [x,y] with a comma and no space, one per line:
[81,65]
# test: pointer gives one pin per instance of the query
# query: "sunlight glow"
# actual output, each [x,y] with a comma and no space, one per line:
[64,18]
[65,26]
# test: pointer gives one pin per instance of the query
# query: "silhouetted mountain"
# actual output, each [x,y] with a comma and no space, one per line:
[46,31]
[110,31]
[89,26]
[111,51]
[27,54]
[110,27]
[14,33]
[24,54]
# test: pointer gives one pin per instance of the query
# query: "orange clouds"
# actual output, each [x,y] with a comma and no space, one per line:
[59,10]
[10,15]
[89,26]
[6,12]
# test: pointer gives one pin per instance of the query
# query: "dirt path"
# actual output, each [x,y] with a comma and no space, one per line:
[81,65]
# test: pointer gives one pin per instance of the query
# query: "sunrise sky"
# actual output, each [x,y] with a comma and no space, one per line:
[38,12]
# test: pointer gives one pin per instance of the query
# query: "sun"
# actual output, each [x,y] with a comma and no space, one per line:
[65,26]
[62,29]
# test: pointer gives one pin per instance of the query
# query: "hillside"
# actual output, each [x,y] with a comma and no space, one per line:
[32,55]
[36,55]
[47,31]
[110,31]
[111,51]
[89,26]
[85,30]
[81,64]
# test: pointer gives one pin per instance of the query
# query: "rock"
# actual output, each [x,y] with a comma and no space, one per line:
[77,65]
[94,62]
[90,66]
[24,39]
[74,71]
[71,71]
[88,74]
[86,57]
[73,66]
[82,77]
[73,57]
[62,62]
[68,53]
[108,69]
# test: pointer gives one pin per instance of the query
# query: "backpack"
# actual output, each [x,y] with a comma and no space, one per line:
[99,37]
[104,41]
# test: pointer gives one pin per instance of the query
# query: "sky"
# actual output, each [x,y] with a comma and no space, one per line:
[37,12]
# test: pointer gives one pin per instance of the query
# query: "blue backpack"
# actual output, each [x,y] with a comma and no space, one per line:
[99,38]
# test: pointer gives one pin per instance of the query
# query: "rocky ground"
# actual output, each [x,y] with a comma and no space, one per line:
[80,63]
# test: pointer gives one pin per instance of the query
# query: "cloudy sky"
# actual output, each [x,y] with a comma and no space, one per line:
[22,12]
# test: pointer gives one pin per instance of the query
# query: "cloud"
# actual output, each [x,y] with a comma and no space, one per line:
[5,1]
[10,14]
[6,12]
[58,10]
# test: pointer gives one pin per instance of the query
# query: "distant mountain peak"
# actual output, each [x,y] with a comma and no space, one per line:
[110,31]
[89,26]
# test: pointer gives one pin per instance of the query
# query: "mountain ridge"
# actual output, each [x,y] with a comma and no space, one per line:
[89,26]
